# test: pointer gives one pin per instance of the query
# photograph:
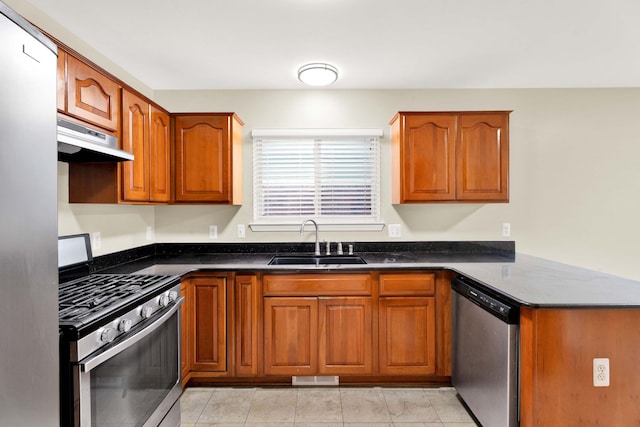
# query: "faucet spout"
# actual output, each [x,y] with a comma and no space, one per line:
[317,246]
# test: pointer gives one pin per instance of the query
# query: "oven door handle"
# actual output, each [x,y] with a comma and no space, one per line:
[89,364]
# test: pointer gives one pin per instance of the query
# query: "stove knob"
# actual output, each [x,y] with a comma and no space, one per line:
[107,335]
[145,311]
[124,325]
[173,295]
[163,301]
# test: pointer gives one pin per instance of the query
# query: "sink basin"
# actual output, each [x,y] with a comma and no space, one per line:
[316,260]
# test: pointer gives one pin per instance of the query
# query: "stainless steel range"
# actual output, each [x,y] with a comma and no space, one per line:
[119,344]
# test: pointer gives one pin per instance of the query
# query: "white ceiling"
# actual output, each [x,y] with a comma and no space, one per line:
[375,44]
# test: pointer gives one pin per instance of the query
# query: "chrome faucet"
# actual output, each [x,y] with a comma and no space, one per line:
[317,247]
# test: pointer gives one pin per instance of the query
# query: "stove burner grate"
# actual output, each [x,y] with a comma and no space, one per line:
[98,293]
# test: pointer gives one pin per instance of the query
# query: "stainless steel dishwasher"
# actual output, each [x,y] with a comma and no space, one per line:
[485,358]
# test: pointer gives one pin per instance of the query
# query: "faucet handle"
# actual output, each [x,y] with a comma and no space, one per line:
[350,249]
[328,247]
[340,252]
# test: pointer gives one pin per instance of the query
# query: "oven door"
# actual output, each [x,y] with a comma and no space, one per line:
[136,381]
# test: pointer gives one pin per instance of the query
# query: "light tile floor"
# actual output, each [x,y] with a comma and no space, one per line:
[323,407]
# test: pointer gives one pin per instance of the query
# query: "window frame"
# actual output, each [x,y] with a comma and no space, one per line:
[338,223]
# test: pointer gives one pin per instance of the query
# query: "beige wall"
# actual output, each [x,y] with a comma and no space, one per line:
[574,179]
[574,176]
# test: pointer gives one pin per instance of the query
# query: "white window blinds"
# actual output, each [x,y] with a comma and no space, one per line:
[334,178]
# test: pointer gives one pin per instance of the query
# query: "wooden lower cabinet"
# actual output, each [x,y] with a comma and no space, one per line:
[247,324]
[318,336]
[187,326]
[557,348]
[345,336]
[385,327]
[407,343]
[291,336]
[209,323]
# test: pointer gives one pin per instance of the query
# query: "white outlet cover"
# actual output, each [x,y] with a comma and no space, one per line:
[96,240]
[601,374]
[395,230]
[213,231]
[241,231]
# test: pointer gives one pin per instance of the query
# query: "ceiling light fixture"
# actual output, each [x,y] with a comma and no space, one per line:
[317,74]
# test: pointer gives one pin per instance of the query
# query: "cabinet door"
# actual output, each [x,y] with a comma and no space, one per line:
[483,157]
[428,157]
[159,156]
[187,333]
[290,336]
[202,169]
[135,139]
[407,343]
[345,338]
[91,96]
[61,80]
[247,326]
[210,326]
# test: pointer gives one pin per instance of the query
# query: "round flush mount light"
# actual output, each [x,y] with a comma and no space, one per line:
[317,74]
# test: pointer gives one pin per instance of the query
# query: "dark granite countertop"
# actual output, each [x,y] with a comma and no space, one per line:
[523,279]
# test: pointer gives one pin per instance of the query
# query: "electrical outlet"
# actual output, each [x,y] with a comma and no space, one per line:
[506,229]
[213,231]
[601,372]
[96,239]
[241,233]
[149,232]
[395,230]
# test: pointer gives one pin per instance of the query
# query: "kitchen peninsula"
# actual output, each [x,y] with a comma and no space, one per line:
[568,315]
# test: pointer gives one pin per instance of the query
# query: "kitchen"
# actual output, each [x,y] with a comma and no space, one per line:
[571,193]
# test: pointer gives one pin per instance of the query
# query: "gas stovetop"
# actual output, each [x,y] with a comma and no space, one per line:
[97,292]
[92,300]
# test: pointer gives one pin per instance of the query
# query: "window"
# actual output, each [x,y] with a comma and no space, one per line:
[331,176]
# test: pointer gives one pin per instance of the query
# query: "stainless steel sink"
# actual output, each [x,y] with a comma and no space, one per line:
[316,260]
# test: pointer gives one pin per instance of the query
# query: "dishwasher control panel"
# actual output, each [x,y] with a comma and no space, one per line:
[507,312]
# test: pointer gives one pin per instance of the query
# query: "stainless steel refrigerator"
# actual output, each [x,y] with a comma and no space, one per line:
[28,226]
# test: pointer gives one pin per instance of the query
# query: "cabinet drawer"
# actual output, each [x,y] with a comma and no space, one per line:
[407,284]
[317,284]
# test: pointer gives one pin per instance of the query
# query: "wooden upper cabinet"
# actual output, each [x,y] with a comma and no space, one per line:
[450,157]
[146,134]
[482,169]
[425,160]
[208,158]
[61,81]
[159,155]
[91,96]
[135,139]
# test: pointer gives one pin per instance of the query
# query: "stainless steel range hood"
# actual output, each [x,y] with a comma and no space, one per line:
[77,143]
